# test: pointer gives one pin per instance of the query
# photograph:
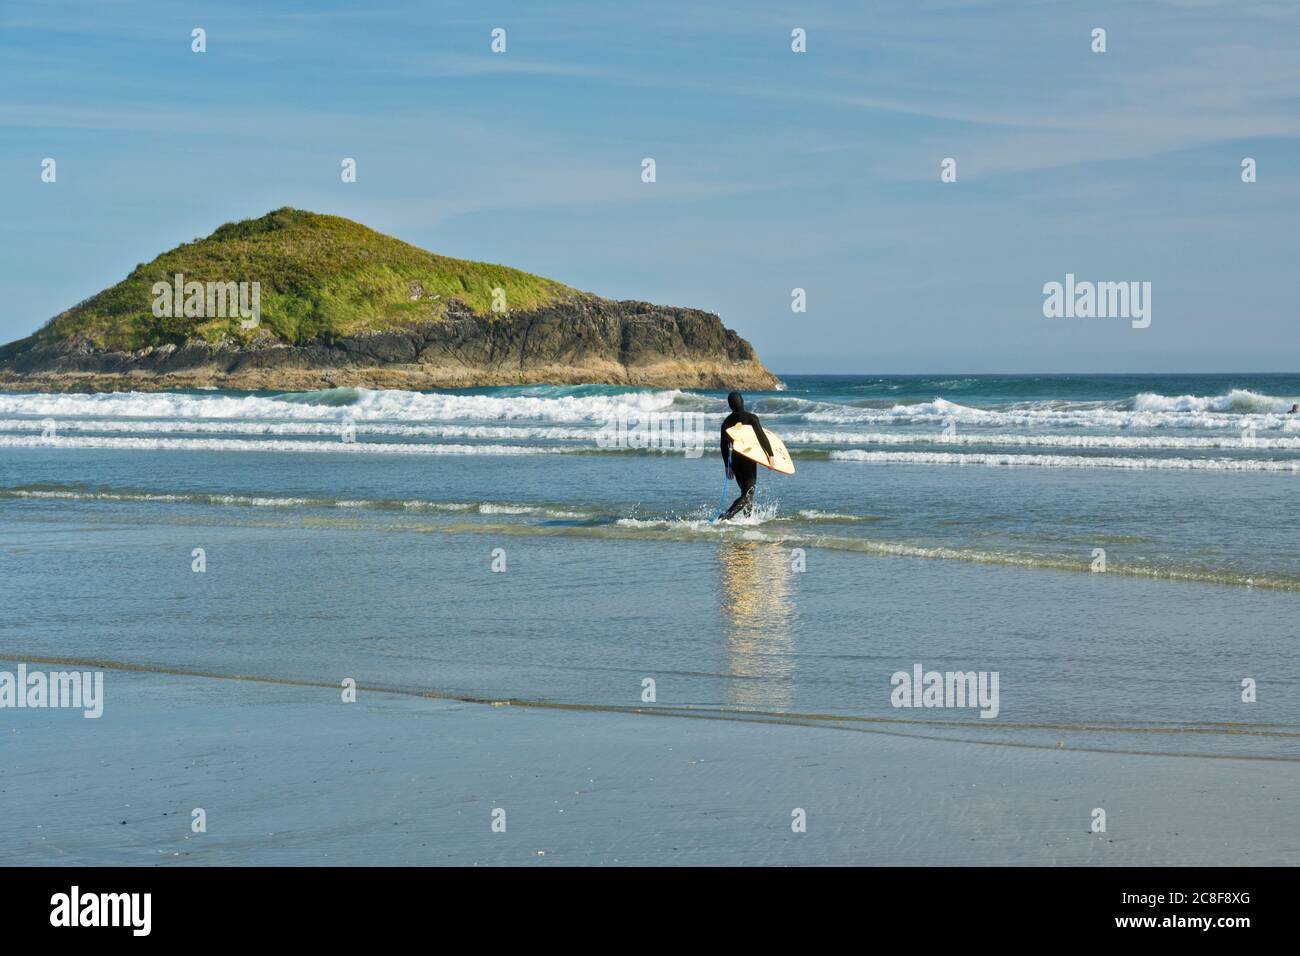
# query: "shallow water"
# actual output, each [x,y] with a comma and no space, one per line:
[953,522]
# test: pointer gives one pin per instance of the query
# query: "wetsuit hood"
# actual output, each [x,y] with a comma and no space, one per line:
[736,401]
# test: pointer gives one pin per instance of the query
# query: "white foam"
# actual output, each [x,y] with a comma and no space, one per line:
[232,444]
[1035,440]
[812,514]
[267,501]
[548,414]
[336,405]
[326,429]
[1240,400]
[760,514]
[1145,411]
[1063,461]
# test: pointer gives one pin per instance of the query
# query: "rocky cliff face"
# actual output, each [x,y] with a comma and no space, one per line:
[584,340]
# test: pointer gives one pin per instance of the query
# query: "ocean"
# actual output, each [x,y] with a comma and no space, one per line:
[1123,551]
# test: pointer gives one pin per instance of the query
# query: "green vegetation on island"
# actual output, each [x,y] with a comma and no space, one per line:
[295,301]
[321,277]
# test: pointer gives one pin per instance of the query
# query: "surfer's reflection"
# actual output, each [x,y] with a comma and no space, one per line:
[757,598]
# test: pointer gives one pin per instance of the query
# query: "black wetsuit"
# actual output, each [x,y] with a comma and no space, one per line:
[746,471]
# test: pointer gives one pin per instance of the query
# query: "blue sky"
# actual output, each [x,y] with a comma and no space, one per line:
[775,169]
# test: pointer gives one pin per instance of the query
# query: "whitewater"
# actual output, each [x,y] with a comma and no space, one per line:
[830,417]
[1176,477]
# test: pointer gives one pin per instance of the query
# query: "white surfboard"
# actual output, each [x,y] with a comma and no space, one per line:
[745,442]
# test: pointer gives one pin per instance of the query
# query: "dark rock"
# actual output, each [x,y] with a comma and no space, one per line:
[586,339]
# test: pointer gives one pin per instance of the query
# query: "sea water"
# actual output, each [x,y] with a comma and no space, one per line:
[1122,551]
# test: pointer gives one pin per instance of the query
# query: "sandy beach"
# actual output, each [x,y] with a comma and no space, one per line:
[395,779]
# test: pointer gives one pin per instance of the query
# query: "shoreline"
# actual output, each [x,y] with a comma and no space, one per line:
[290,775]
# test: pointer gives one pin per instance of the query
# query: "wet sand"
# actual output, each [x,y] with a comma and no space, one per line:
[292,775]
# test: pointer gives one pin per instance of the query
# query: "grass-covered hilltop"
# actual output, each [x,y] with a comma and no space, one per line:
[336,303]
[320,276]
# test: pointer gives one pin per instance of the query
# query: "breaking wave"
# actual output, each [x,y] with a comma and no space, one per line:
[1064,461]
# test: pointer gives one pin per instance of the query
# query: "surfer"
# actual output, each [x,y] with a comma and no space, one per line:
[742,469]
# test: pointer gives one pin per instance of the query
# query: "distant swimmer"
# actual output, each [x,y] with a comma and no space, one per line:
[739,467]
[1295,409]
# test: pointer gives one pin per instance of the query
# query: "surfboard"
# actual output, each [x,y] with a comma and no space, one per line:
[745,442]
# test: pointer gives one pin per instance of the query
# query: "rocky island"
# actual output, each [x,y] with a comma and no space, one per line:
[296,301]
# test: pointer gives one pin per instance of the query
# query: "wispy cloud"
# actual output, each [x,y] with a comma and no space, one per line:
[775,169]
